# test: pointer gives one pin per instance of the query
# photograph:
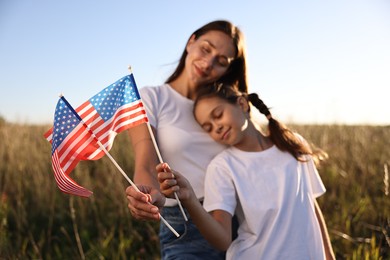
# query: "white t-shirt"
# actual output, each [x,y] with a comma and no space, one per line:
[183,144]
[273,196]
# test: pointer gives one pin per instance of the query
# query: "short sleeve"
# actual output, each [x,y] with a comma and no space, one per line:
[220,193]
[316,184]
[149,98]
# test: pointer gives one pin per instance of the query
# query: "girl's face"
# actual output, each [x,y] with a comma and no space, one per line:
[225,122]
[208,57]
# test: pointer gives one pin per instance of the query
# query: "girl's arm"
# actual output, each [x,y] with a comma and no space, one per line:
[144,205]
[329,254]
[214,226]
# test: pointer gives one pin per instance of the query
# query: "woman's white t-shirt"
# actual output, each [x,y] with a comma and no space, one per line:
[273,196]
[183,144]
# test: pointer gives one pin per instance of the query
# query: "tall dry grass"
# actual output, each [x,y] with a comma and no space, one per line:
[37,221]
[356,207]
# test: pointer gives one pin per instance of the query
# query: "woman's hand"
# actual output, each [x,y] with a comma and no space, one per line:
[144,205]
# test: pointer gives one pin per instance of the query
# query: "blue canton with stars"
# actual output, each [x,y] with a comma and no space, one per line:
[64,123]
[114,96]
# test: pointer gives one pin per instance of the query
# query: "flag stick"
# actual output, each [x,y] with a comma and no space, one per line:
[161,161]
[113,161]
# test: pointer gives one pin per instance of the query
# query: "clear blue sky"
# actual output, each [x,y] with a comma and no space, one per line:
[311,61]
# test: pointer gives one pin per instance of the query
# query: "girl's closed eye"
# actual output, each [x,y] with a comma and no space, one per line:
[217,113]
[207,128]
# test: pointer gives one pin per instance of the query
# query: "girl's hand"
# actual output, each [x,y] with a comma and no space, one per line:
[172,181]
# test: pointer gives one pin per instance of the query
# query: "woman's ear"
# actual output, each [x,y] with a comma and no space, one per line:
[243,103]
[190,42]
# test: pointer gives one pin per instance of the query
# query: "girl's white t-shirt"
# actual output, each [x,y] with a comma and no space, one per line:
[183,144]
[273,196]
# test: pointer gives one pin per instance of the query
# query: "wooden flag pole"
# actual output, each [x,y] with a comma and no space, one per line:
[113,161]
[161,160]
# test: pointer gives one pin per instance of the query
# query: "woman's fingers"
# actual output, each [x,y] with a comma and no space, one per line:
[140,206]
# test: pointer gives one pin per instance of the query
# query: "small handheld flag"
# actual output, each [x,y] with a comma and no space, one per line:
[88,132]
[75,133]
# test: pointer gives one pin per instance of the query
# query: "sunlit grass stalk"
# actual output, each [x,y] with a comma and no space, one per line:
[386,179]
[75,229]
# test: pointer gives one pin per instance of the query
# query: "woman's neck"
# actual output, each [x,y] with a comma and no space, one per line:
[184,88]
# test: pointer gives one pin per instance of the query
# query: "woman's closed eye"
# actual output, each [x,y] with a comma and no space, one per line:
[206,48]
[222,61]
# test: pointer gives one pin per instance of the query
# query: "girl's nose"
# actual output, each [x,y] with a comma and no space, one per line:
[218,129]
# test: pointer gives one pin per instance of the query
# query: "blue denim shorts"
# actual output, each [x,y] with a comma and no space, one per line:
[190,245]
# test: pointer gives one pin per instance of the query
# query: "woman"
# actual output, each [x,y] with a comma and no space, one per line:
[214,53]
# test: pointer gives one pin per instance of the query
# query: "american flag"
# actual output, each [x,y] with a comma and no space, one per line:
[75,133]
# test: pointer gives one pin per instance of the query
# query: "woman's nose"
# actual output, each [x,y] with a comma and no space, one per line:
[208,61]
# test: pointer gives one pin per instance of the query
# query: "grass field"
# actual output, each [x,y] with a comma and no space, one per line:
[37,221]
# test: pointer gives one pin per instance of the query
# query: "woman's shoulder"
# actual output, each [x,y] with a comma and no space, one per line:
[153,89]
[154,93]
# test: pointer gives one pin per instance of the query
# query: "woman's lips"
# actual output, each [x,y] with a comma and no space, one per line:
[200,72]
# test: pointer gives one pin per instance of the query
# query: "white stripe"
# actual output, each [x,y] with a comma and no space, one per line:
[82,111]
[78,151]
[50,137]
[113,132]
[130,121]
[64,182]
[66,146]
[109,122]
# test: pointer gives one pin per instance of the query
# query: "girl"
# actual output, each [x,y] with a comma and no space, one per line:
[214,52]
[269,182]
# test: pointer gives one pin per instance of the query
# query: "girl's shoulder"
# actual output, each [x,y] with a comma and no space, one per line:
[223,158]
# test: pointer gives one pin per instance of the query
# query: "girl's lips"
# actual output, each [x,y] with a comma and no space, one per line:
[225,135]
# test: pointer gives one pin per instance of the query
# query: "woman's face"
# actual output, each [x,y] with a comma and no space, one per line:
[223,121]
[208,57]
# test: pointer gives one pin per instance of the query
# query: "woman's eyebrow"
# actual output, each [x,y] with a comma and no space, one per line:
[212,45]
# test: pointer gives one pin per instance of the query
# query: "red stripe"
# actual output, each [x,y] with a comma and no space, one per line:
[106,133]
[71,143]
[64,182]
[74,155]
[82,106]
[108,138]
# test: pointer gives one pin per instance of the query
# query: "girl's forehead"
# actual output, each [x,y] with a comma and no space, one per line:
[210,103]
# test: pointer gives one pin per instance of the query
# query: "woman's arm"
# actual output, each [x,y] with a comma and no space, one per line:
[144,205]
[214,226]
[324,231]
